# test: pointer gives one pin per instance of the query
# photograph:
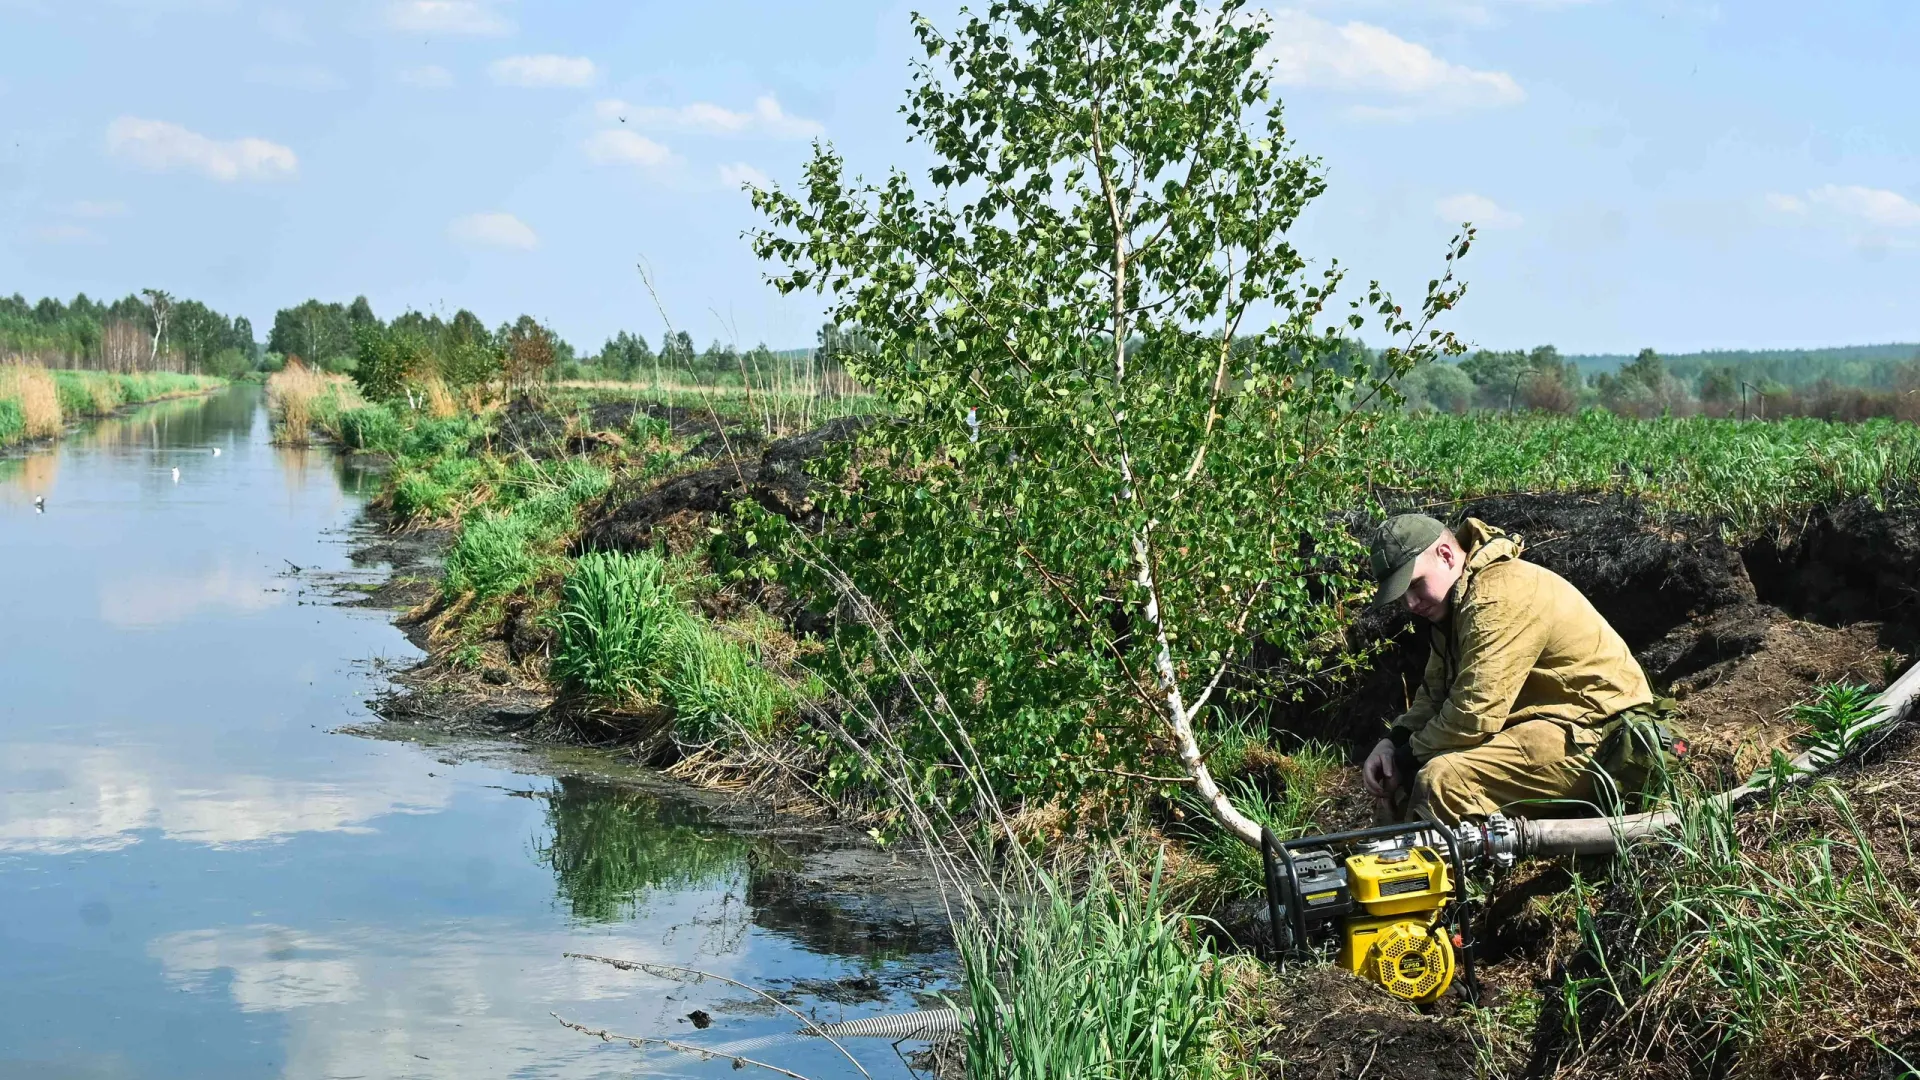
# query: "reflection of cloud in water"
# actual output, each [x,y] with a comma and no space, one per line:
[274,969]
[56,798]
[23,478]
[462,1000]
[136,603]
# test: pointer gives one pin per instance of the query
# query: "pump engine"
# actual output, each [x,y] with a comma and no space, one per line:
[1387,904]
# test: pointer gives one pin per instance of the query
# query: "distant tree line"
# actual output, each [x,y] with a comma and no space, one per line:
[149,331]
[627,357]
[1837,384]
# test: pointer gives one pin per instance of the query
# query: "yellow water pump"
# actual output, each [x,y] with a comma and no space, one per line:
[1383,903]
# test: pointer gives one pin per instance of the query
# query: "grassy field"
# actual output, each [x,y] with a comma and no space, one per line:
[1747,473]
[36,403]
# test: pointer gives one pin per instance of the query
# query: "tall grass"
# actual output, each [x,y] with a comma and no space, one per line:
[1105,984]
[1291,809]
[627,639]
[301,398]
[617,619]
[36,397]
[1749,945]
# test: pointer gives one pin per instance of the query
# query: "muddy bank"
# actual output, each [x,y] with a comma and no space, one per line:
[822,884]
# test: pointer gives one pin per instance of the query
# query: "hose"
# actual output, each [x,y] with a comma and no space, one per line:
[1604,836]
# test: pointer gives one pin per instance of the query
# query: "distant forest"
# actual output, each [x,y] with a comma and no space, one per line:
[1848,383]
[150,331]
[153,330]
[1848,365]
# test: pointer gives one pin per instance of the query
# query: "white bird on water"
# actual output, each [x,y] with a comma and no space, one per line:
[176,474]
[216,451]
[39,504]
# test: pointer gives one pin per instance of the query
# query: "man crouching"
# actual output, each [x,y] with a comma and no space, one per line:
[1522,675]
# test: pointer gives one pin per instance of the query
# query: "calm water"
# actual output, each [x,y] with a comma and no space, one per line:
[200,877]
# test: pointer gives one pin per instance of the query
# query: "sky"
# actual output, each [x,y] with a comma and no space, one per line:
[1664,173]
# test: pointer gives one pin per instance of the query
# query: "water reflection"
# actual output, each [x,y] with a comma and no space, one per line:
[188,847]
[609,848]
[22,478]
[57,798]
[156,599]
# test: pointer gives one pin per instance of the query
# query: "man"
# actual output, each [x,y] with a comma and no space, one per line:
[1523,673]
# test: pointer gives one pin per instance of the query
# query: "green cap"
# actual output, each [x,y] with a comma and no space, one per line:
[1399,542]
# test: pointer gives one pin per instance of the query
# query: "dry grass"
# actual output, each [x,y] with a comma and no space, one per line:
[39,399]
[439,400]
[298,396]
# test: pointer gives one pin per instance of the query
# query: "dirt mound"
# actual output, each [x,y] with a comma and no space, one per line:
[1324,1024]
[628,517]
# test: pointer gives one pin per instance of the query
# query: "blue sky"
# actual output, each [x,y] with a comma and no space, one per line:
[1645,172]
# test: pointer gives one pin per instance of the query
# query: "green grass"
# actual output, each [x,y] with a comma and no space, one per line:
[627,638]
[1776,945]
[1104,984]
[617,621]
[12,422]
[1750,474]
[1290,812]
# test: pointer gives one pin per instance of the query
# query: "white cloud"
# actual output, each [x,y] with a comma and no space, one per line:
[1477,209]
[430,77]
[767,118]
[741,173]
[163,147]
[1872,206]
[295,77]
[471,17]
[544,71]
[619,146]
[1786,204]
[494,229]
[65,234]
[87,208]
[1359,57]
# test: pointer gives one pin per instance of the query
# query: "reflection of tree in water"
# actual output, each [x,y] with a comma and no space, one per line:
[22,478]
[612,846]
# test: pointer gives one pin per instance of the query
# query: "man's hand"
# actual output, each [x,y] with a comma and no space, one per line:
[1381,778]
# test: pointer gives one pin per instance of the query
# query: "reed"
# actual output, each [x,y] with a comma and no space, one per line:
[299,397]
[36,396]
[438,399]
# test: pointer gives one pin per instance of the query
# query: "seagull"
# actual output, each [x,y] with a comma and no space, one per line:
[176,474]
[216,451]
[39,504]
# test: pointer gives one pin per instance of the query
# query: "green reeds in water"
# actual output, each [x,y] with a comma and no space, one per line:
[1102,984]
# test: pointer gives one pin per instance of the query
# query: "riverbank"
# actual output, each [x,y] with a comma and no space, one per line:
[1742,617]
[40,404]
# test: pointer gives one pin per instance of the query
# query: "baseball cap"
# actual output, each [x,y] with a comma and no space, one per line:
[1399,542]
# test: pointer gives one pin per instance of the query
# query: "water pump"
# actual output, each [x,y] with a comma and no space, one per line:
[1387,904]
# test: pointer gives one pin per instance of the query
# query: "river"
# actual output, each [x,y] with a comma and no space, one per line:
[202,875]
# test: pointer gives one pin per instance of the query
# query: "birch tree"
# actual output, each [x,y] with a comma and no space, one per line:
[1169,397]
